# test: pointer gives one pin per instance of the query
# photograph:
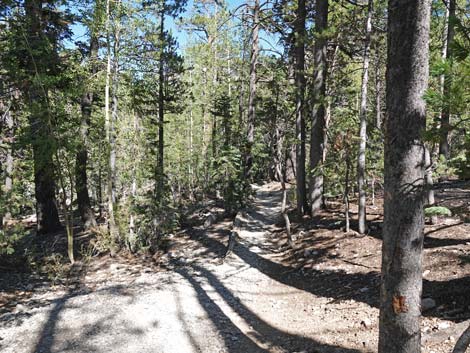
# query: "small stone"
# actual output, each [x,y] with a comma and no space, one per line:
[427,304]
[210,220]
[20,308]
[425,273]
[443,325]
[362,290]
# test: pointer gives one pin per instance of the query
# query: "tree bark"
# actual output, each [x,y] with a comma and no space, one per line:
[111,70]
[378,92]
[81,179]
[361,159]
[300,37]
[161,112]
[8,183]
[318,112]
[250,134]
[40,123]
[444,147]
[404,189]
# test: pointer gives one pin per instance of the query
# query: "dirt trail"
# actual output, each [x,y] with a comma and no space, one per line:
[252,302]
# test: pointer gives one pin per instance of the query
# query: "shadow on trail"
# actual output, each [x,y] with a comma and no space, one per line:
[339,285]
[48,335]
[267,335]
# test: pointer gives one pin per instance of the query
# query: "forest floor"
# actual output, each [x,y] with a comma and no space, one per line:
[264,297]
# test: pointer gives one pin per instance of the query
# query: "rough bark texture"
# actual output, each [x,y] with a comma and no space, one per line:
[361,159]
[404,191]
[318,111]
[81,179]
[250,134]
[300,37]
[444,147]
[40,122]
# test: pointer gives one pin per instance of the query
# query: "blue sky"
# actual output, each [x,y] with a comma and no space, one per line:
[267,41]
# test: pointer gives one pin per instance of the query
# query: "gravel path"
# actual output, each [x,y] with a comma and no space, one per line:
[247,304]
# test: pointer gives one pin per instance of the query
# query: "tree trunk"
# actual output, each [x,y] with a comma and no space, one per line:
[429,182]
[40,124]
[300,38]
[110,121]
[404,189]
[81,179]
[361,159]
[161,112]
[346,191]
[250,135]
[8,184]
[318,112]
[378,92]
[444,147]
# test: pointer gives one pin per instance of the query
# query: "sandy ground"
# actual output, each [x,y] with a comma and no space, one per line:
[262,298]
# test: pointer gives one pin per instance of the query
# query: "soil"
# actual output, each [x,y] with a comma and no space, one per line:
[263,297]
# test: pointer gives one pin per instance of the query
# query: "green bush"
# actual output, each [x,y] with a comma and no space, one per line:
[437,211]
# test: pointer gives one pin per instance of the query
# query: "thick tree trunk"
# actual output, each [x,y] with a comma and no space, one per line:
[361,159]
[444,147]
[250,134]
[318,112]
[40,125]
[81,179]
[404,189]
[300,38]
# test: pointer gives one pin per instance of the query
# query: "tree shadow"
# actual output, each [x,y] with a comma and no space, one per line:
[47,337]
[262,332]
[339,285]
[375,231]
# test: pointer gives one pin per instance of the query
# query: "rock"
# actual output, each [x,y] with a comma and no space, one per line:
[210,220]
[20,308]
[427,304]
[425,273]
[362,290]
[443,325]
